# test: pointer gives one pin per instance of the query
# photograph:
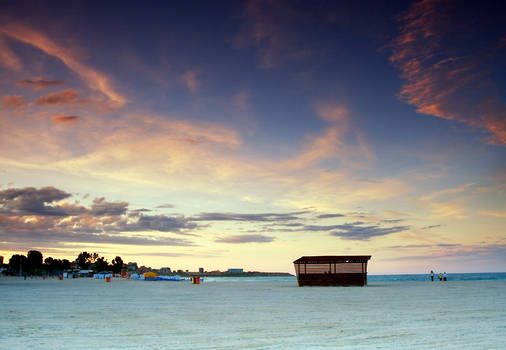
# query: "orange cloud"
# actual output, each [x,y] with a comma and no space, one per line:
[65,119]
[94,79]
[58,98]
[13,101]
[443,78]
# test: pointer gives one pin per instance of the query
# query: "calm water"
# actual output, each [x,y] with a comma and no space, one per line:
[262,313]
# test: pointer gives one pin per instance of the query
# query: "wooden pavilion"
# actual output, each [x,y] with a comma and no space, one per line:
[334,270]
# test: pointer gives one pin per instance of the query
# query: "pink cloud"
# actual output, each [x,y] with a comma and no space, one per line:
[332,113]
[8,58]
[58,98]
[444,78]
[94,79]
[190,79]
[39,83]
[13,101]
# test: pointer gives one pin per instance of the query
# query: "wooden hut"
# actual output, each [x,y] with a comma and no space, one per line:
[348,270]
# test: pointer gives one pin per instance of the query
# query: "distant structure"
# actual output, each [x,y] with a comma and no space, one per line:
[165,270]
[132,267]
[332,270]
[1,260]
[201,270]
[235,271]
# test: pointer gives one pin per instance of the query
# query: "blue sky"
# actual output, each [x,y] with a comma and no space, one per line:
[391,115]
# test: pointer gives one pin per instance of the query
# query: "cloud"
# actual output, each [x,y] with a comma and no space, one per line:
[241,100]
[65,119]
[29,200]
[328,216]
[494,213]
[429,227]
[58,98]
[447,64]
[94,79]
[13,101]
[32,210]
[354,231]
[474,252]
[269,27]
[100,207]
[332,113]
[8,58]
[54,239]
[446,191]
[39,83]
[245,239]
[162,223]
[190,79]
[247,217]
[165,206]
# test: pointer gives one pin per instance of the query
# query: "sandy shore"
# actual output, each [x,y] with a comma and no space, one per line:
[123,314]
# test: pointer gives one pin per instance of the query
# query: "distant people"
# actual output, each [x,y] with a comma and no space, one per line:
[440,276]
[445,276]
[432,275]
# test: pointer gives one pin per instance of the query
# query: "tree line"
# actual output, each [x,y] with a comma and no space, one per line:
[34,264]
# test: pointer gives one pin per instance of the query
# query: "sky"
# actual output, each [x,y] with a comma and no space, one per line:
[245,134]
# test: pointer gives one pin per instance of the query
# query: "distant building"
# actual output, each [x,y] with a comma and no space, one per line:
[144,269]
[201,270]
[132,267]
[165,270]
[235,271]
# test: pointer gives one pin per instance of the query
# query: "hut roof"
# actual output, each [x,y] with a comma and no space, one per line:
[326,259]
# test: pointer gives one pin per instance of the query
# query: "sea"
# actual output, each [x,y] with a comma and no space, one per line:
[392,312]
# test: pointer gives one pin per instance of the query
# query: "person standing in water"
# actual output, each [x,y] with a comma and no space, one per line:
[445,276]
[440,276]
[432,275]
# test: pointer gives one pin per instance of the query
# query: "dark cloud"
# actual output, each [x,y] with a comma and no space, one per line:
[392,221]
[247,217]
[245,239]
[429,227]
[363,233]
[138,211]
[161,223]
[409,246]
[39,84]
[68,96]
[328,216]
[165,206]
[100,207]
[53,239]
[29,200]
[327,227]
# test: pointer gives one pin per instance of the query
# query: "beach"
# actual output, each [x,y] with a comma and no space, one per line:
[250,314]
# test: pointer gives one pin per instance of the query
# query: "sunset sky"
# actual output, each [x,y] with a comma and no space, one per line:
[236,134]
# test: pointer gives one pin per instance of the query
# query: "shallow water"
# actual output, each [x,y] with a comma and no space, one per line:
[265,314]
